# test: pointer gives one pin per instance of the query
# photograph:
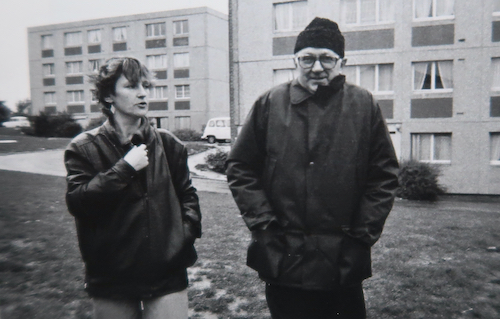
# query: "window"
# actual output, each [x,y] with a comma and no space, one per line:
[93,97]
[182,92]
[158,92]
[496,6]
[367,11]
[154,62]
[48,70]
[120,34]
[495,148]
[181,60]
[182,122]
[47,42]
[431,148]
[376,78]
[94,36]
[432,9]
[72,39]
[74,96]
[155,30]
[283,76]
[75,67]
[433,75]
[181,27]
[495,69]
[49,98]
[290,16]
[94,65]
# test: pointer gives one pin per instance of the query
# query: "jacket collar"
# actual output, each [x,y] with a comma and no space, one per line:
[141,136]
[298,93]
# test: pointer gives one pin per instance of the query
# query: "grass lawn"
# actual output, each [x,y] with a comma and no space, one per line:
[433,261]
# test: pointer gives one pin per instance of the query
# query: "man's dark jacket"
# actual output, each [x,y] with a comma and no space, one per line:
[314,177]
[136,229]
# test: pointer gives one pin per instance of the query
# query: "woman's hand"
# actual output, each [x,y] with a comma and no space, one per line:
[137,157]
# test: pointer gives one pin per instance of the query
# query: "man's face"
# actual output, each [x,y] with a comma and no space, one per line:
[317,66]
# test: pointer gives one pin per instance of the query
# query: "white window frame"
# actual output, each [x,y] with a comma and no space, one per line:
[158,92]
[180,60]
[92,63]
[47,41]
[181,93]
[376,90]
[157,61]
[495,148]
[71,69]
[182,23]
[123,35]
[161,27]
[433,78]
[178,119]
[73,39]
[432,160]
[433,14]
[75,97]
[291,7]
[495,76]
[50,67]
[53,98]
[94,36]
[359,4]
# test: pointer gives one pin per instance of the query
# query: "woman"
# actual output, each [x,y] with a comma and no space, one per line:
[137,214]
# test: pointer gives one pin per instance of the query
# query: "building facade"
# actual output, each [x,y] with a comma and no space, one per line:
[187,51]
[433,65]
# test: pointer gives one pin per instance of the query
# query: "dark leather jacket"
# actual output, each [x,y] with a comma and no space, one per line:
[136,229]
[314,177]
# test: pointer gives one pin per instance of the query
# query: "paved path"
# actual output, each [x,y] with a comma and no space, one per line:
[52,163]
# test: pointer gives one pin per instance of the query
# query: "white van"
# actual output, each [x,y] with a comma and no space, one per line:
[217,129]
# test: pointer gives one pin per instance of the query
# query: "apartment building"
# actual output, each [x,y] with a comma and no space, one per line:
[187,50]
[433,65]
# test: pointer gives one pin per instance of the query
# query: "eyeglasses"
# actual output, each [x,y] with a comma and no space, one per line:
[327,62]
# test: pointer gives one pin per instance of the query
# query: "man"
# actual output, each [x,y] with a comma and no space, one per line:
[314,174]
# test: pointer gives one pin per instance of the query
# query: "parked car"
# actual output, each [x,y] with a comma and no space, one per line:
[217,129]
[17,121]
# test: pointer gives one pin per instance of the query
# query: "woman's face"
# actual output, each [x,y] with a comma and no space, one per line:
[129,100]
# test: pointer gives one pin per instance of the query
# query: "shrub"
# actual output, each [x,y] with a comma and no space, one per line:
[187,135]
[419,181]
[217,161]
[57,125]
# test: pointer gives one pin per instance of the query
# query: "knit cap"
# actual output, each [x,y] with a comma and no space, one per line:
[321,33]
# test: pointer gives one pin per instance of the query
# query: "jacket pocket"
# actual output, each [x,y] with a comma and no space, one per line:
[355,261]
[265,252]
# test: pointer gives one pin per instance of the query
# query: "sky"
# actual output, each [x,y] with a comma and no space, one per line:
[17,16]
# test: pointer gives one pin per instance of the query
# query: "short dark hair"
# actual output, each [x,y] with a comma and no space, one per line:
[109,73]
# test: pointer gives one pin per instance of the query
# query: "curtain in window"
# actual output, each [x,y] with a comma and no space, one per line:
[283,76]
[495,69]
[94,65]
[423,8]
[368,11]
[348,9]
[421,147]
[182,122]
[119,34]
[496,5]
[386,10]
[442,147]
[156,61]
[73,38]
[367,77]
[94,36]
[281,16]
[420,70]
[48,69]
[385,77]
[444,7]
[446,72]
[299,15]
[49,98]
[181,60]
[46,42]
[495,146]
